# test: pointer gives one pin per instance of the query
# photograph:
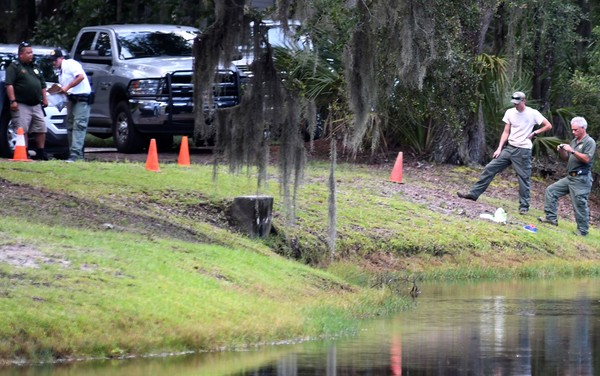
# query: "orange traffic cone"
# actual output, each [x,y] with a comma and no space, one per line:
[152,160]
[396,176]
[20,148]
[184,152]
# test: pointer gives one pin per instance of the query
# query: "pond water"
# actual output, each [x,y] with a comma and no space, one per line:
[488,328]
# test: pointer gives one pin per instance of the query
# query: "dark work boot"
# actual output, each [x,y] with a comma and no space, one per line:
[40,155]
[466,196]
[553,222]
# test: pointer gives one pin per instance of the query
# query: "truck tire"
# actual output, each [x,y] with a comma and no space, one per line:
[127,139]
[7,136]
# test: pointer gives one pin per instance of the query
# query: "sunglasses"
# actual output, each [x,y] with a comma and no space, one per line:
[23,46]
[517,98]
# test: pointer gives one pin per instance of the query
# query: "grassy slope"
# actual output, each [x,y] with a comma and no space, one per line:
[134,289]
[98,292]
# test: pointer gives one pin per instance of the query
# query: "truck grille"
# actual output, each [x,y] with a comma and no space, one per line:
[181,85]
[226,90]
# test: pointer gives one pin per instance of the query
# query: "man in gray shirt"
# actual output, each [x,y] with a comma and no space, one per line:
[578,182]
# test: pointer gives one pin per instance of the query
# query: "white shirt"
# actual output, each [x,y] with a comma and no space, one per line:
[521,125]
[70,69]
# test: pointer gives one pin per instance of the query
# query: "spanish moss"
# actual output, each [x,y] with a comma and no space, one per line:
[268,112]
[332,215]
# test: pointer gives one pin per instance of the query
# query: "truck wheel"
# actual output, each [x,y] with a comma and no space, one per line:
[8,137]
[126,138]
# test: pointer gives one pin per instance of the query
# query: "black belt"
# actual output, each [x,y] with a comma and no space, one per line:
[578,172]
[79,97]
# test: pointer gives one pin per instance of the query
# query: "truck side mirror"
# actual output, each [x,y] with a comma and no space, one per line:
[93,56]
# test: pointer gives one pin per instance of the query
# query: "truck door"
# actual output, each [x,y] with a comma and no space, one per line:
[94,52]
[100,74]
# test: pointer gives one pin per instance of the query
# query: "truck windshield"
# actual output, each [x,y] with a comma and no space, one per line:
[135,45]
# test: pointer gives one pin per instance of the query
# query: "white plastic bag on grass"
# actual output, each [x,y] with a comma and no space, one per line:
[499,216]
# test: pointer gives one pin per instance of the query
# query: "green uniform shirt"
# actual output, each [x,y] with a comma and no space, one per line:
[586,146]
[27,81]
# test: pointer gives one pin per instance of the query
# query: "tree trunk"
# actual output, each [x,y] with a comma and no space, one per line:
[538,69]
[19,21]
[473,148]
[584,29]
[119,11]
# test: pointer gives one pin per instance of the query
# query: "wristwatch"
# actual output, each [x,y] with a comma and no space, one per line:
[12,101]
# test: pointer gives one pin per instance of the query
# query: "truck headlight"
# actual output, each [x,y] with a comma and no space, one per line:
[147,86]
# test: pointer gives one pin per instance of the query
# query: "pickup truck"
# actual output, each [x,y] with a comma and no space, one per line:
[142,76]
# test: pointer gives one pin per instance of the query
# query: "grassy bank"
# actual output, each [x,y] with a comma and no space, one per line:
[109,259]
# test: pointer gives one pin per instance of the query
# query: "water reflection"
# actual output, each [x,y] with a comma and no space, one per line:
[503,328]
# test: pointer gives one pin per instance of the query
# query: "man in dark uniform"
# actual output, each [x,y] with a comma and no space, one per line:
[578,183]
[26,91]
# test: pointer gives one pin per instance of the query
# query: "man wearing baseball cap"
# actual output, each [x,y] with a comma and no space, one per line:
[518,134]
[76,85]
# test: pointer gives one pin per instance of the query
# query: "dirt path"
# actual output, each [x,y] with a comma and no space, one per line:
[437,185]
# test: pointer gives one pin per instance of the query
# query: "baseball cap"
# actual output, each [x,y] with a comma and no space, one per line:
[56,53]
[517,97]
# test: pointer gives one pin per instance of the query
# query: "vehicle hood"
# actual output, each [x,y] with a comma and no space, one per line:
[160,66]
[157,66]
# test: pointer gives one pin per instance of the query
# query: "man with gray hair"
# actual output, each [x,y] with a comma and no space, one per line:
[578,182]
[517,135]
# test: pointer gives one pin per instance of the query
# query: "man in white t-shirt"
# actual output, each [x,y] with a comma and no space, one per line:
[518,131]
[75,84]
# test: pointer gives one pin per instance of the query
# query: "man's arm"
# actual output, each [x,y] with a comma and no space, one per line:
[585,156]
[10,93]
[546,126]
[44,98]
[503,139]
[73,83]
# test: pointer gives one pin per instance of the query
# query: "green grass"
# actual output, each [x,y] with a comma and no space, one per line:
[136,289]
[110,293]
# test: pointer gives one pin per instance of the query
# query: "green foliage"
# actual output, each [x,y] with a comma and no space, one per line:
[586,99]
[312,74]
[410,124]
[545,146]
[61,26]
[51,32]
[493,85]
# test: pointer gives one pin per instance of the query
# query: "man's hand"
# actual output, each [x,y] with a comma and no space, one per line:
[565,148]
[497,153]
